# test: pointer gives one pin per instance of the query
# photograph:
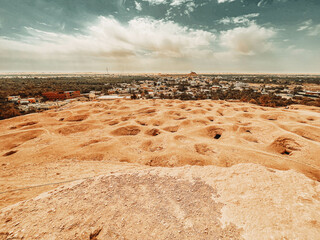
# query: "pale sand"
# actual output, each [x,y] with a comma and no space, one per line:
[122,139]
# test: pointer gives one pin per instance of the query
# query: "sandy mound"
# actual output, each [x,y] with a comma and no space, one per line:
[234,132]
[181,203]
[128,130]
[285,145]
[172,128]
[24,124]
[14,140]
[153,132]
[72,129]
[77,118]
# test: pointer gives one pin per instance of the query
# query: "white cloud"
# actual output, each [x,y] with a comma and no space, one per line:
[190,6]
[312,29]
[259,4]
[108,40]
[179,2]
[265,2]
[173,3]
[305,25]
[223,1]
[156,2]
[138,5]
[315,30]
[145,44]
[244,19]
[292,49]
[249,40]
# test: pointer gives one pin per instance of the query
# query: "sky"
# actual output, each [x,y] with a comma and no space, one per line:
[239,36]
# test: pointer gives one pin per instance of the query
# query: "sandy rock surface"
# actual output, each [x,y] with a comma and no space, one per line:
[256,176]
[246,201]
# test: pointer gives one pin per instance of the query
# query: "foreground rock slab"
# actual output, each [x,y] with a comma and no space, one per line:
[245,201]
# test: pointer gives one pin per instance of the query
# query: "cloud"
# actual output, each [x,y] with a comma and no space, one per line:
[244,19]
[292,49]
[138,5]
[249,40]
[179,2]
[312,29]
[315,30]
[156,2]
[111,41]
[173,3]
[266,2]
[305,25]
[190,6]
[259,3]
[223,1]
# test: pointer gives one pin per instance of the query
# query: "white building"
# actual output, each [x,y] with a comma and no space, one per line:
[113,97]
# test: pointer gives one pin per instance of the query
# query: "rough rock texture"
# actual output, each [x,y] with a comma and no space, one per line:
[256,177]
[167,133]
[246,201]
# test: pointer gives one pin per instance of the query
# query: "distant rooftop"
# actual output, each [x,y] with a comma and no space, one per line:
[112,97]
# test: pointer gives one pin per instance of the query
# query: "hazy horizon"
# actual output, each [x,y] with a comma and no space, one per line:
[160,36]
[152,73]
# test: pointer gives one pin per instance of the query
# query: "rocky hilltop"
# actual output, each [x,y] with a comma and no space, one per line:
[161,169]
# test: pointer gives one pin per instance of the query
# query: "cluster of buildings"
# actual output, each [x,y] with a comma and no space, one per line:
[191,85]
[195,85]
[50,100]
[19,100]
[171,87]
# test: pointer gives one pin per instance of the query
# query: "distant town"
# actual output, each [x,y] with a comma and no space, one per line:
[26,94]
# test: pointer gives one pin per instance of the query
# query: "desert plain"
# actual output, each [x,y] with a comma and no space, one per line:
[161,169]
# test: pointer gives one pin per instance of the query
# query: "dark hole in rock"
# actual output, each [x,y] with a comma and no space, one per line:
[248,131]
[153,132]
[286,153]
[217,136]
[211,119]
[10,153]
[94,235]
[61,119]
